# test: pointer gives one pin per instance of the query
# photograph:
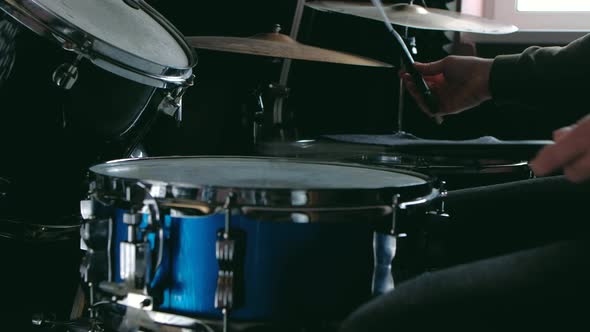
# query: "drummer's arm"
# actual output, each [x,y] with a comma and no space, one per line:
[543,76]
[546,77]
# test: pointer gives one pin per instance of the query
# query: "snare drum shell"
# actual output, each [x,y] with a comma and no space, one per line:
[290,271]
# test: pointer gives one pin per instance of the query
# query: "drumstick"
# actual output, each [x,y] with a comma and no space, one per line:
[421,85]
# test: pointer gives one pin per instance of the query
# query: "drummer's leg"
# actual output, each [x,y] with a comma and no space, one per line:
[498,219]
[536,288]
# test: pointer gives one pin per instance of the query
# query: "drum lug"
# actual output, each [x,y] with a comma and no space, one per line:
[224,293]
[66,74]
[134,254]
[440,210]
[171,104]
[95,236]
[228,252]
[384,247]
[87,209]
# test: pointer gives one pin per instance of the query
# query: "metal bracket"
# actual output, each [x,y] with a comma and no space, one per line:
[394,208]
[134,254]
[66,74]
[225,252]
[171,104]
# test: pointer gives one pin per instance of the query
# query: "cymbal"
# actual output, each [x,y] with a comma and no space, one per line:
[419,17]
[278,45]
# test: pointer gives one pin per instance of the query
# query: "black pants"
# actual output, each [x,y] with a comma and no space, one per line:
[516,255]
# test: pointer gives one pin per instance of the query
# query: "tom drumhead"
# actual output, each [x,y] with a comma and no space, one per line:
[133,41]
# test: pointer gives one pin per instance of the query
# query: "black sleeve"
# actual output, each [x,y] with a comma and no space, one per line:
[8,31]
[544,76]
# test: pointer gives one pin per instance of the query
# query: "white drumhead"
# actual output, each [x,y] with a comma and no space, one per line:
[256,173]
[129,29]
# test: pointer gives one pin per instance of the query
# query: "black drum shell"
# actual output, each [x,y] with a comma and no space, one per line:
[50,137]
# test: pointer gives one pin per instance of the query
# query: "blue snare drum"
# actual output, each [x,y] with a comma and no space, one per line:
[252,239]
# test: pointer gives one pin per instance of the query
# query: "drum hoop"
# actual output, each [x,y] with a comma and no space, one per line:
[105,55]
[108,187]
[419,162]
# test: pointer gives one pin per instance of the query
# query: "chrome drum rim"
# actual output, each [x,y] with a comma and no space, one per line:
[48,24]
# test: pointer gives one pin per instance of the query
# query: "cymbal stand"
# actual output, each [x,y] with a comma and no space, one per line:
[258,116]
[278,113]
[278,92]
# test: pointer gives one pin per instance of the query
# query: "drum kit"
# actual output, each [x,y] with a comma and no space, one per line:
[252,243]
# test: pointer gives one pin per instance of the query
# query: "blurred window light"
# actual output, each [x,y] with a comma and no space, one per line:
[553,6]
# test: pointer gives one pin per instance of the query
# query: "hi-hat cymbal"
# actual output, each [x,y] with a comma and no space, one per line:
[278,45]
[419,17]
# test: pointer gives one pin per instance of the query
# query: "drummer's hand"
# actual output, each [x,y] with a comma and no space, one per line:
[570,153]
[458,82]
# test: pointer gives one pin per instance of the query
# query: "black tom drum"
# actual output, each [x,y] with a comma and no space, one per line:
[138,63]
[81,82]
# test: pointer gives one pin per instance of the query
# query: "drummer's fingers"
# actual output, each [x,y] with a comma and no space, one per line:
[413,90]
[579,170]
[562,132]
[569,148]
[423,105]
[432,68]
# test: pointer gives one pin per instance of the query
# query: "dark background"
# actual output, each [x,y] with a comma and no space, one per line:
[325,98]
[49,138]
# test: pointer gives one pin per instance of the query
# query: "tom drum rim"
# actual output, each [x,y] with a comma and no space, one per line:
[44,18]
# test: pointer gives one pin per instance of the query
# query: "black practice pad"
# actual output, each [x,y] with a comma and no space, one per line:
[483,147]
